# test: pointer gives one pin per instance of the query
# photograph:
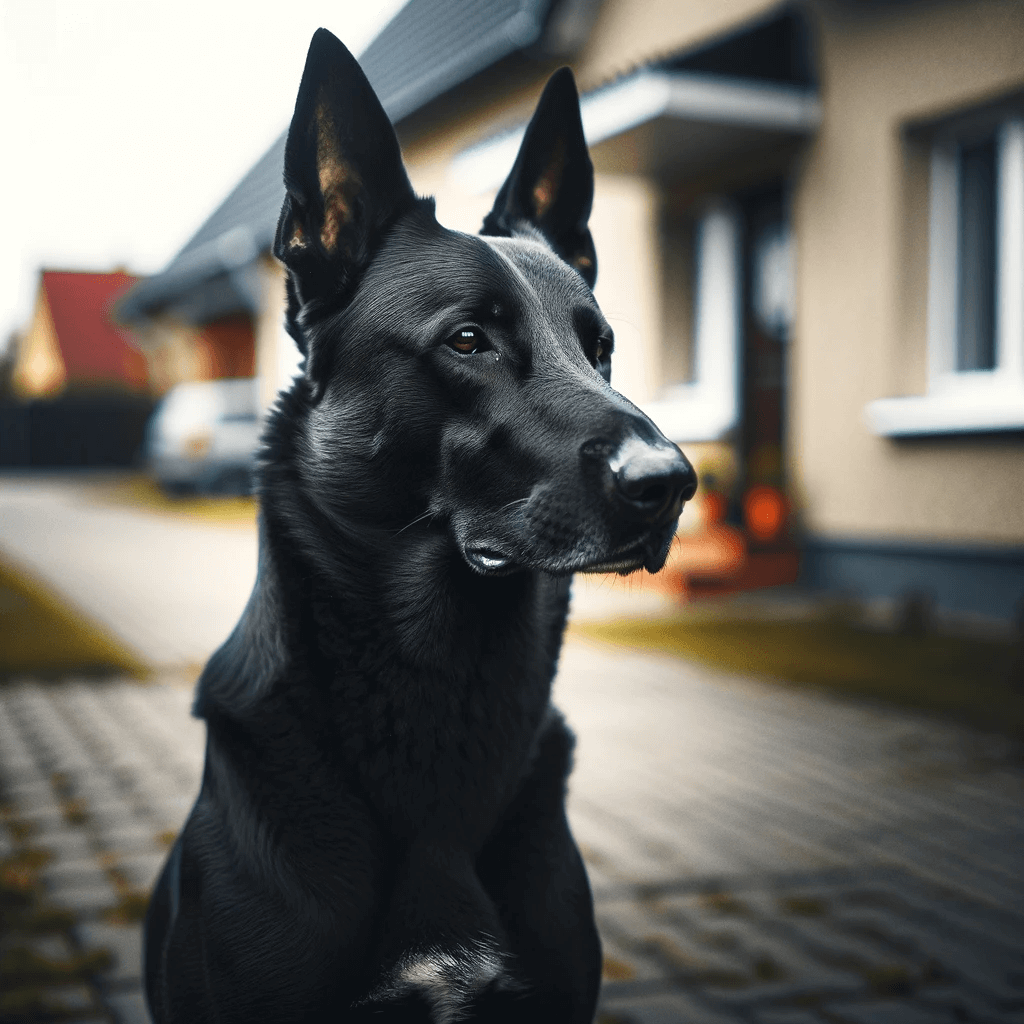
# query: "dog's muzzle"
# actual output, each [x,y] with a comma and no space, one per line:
[620,520]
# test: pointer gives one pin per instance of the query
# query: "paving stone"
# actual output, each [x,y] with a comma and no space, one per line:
[797,972]
[946,913]
[53,947]
[152,782]
[892,1012]
[172,812]
[74,874]
[638,928]
[137,838]
[623,965]
[142,871]
[787,1016]
[623,915]
[16,770]
[67,844]
[44,820]
[661,1008]
[125,945]
[67,999]
[964,1005]
[815,938]
[86,902]
[36,795]
[987,969]
[128,1007]
[112,817]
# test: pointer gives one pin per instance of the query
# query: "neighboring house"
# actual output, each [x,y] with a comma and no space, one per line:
[72,343]
[79,389]
[809,221]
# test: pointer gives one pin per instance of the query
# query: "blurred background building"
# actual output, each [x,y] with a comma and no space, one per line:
[76,388]
[810,226]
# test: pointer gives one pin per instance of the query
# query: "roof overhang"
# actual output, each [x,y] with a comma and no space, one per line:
[977,118]
[212,280]
[680,123]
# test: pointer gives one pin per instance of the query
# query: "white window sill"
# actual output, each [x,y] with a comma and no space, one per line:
[691,413]
[971,411]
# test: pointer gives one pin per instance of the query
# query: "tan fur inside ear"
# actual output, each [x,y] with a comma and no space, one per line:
[298,239]
[545,192]
[339,183]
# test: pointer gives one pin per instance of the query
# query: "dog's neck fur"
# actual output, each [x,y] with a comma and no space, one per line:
[452,682]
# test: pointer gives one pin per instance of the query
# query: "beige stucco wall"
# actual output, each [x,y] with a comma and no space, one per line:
[860,217]
[270,334]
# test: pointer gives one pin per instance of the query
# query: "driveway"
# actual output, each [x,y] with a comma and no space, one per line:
[759,855]
[169,587]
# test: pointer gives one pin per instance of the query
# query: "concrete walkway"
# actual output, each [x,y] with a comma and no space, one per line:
[168,587]
[758,854]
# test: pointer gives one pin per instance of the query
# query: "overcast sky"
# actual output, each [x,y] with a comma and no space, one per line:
[125,122]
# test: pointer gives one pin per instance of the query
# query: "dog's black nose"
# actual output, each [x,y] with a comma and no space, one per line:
[652,482]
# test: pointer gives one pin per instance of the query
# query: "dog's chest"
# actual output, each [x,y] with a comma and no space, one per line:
[437,750]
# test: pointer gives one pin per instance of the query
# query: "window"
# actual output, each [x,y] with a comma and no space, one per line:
[707,408]
[976,264]
[975,289]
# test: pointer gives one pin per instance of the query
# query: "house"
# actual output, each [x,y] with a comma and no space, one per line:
[810,227]
[72,343]
[79,388]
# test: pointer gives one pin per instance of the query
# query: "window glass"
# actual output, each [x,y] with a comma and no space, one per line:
[976,285]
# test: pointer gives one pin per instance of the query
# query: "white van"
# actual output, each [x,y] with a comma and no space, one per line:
[203,436]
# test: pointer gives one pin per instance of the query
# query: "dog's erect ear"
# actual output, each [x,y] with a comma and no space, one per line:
[551,185]
[343,174]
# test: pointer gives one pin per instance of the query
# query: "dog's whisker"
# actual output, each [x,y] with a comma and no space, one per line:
[515,501]
[429,514]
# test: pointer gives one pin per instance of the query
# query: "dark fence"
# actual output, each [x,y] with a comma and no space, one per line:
[74,430]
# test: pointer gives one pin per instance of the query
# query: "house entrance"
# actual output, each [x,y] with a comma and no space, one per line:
[766,326]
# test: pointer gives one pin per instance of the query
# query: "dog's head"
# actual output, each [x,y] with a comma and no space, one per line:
[462,381]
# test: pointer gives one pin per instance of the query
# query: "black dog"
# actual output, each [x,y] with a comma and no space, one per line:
[381,830]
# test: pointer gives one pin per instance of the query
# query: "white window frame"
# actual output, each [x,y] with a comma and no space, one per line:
[708,408]
[968,401]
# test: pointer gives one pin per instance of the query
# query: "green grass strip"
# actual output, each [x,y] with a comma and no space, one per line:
[42,634]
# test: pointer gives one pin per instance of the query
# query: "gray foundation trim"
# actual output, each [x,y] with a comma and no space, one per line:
[985,580]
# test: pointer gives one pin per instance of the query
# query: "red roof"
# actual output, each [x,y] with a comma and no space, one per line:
[95,351]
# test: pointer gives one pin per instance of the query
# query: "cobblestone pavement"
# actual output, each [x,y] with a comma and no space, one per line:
[758,854]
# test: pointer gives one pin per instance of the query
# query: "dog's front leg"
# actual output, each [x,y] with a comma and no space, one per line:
[443,944]
[533,872]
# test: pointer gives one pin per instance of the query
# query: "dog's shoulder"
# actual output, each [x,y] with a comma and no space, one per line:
[241,672]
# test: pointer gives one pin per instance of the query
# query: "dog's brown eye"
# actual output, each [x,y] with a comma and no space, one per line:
[467,341]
